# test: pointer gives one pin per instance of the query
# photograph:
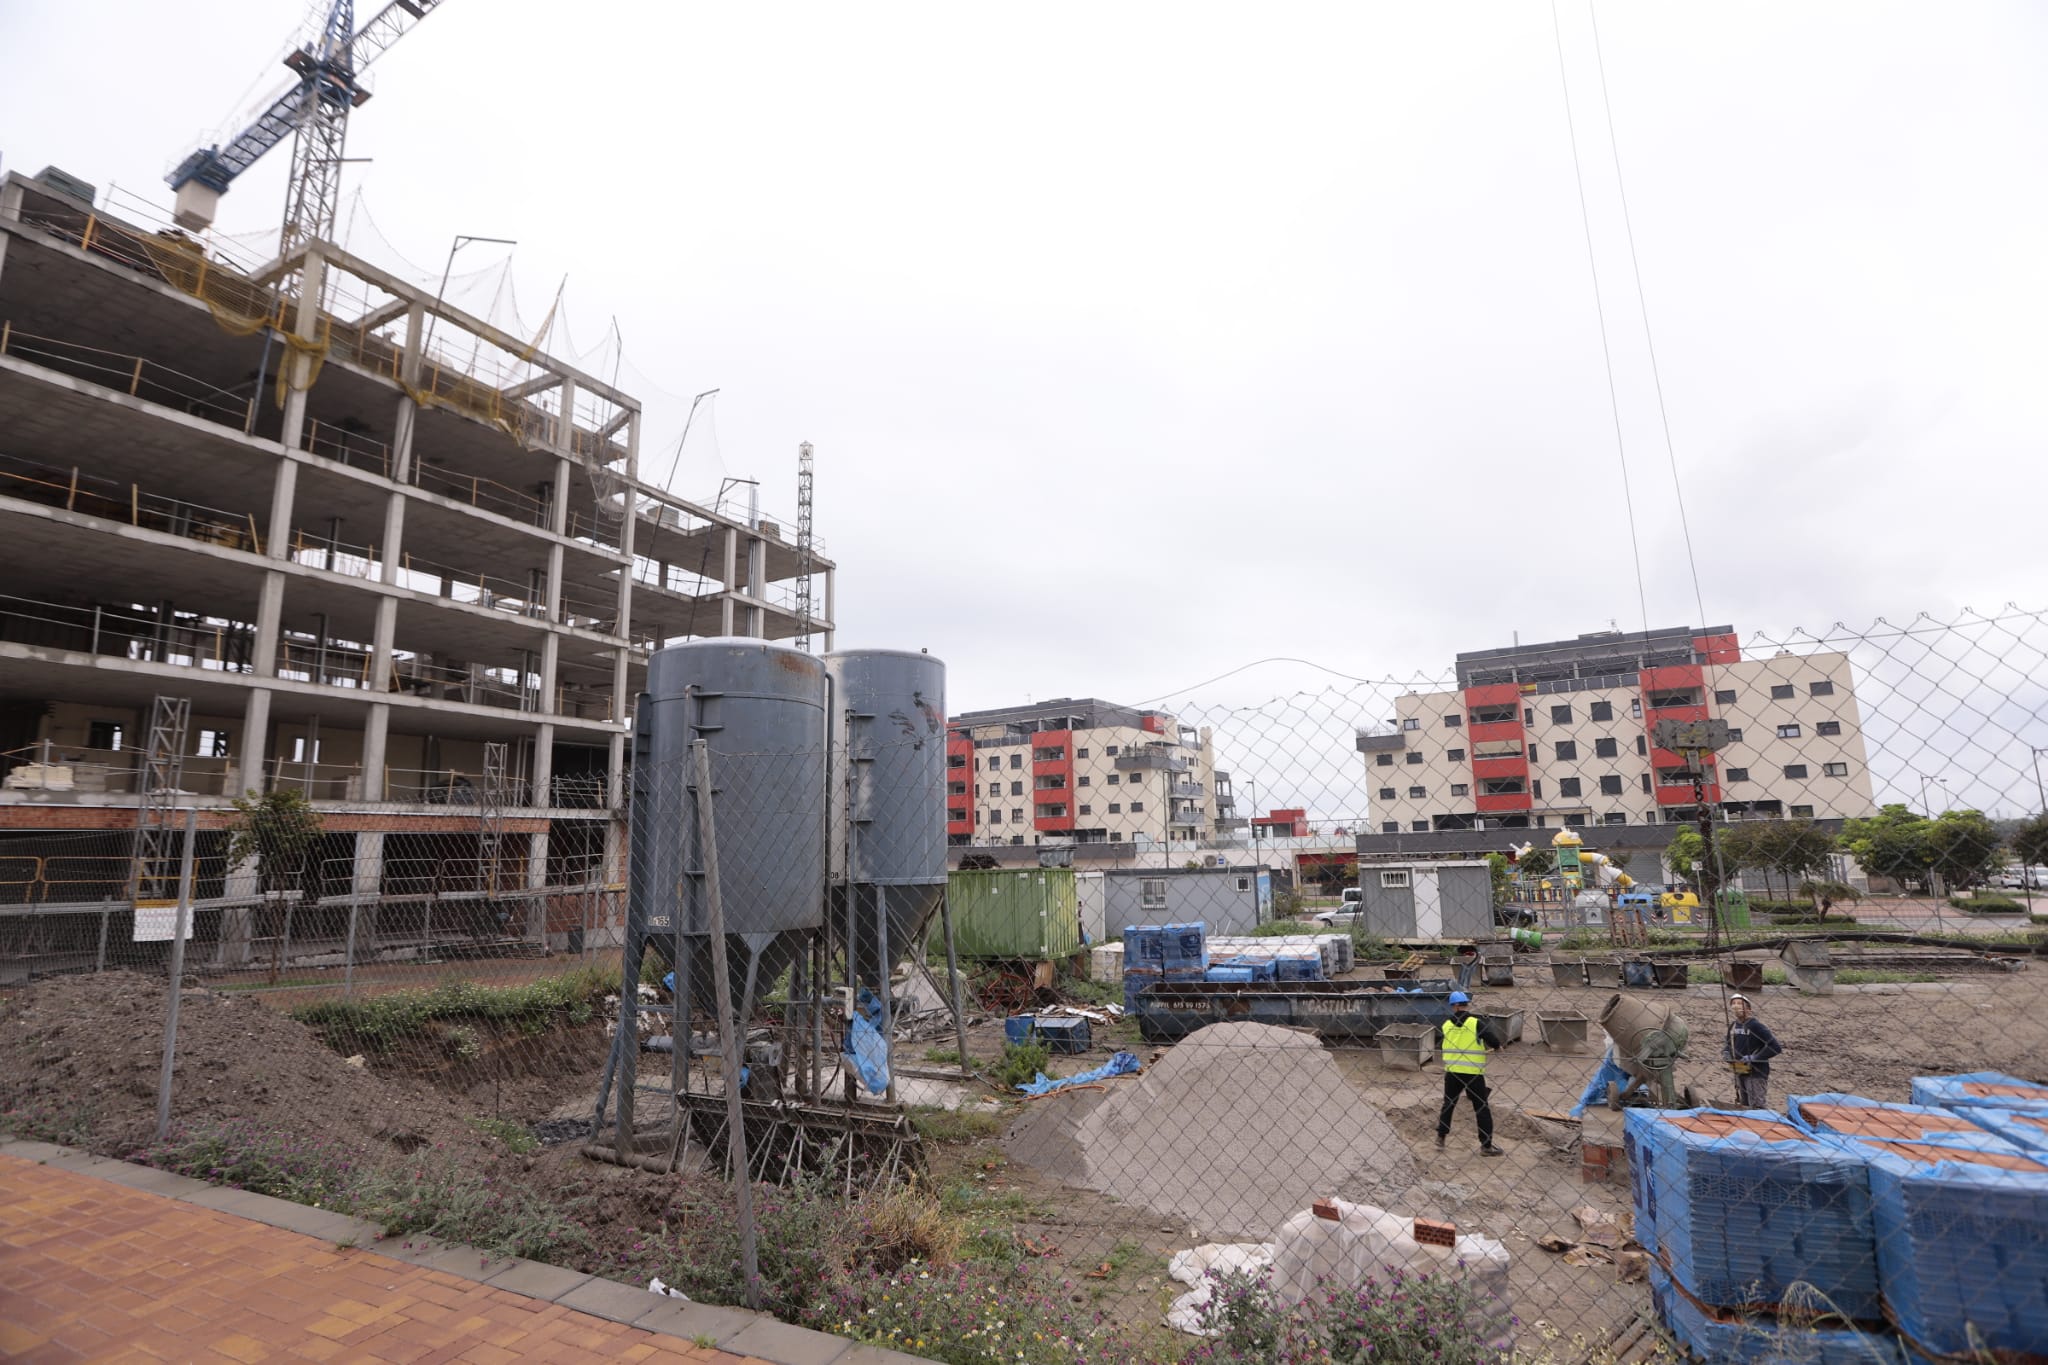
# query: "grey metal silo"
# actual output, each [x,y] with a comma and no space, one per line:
[760,707]
[888,801]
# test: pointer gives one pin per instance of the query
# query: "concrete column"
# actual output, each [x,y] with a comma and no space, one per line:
[615,767]
[550,666]
[269,615]
[536,883]
[408,411]
[732,580]
[254,746]
[757,585]
[393,544]
[299,364]
[543,765]
[831,606]
[376,741]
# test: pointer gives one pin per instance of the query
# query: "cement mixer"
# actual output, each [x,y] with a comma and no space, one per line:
[1648,1041]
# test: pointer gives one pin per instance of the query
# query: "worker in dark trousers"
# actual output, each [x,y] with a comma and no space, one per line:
[1466,1037]
[1748,1052]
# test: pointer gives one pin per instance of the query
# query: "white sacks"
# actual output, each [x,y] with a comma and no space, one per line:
[1363,1242]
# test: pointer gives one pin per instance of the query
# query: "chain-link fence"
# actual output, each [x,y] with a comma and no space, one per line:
[1723,910]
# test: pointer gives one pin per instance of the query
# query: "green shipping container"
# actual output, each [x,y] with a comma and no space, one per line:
[1027,912]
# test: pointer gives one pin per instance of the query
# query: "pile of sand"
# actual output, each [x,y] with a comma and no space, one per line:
[1235,1130]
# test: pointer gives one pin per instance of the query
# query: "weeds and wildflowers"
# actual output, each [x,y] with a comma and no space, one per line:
[262,1159]
[377,1023]
[1395,1317]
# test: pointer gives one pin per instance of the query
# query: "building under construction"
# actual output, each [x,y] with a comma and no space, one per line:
[301,526]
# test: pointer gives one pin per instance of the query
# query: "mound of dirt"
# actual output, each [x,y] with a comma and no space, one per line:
[80,1059]
[1236,1129]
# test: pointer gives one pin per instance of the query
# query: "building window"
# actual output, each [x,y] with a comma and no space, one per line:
[1736,775]
[1385,760]
[1052,754]
[1781,691]
[1386,793]
[1390,827]
[1461,789]
[1455,755]
[1244,883]
[1393,879]
[1820,687]
[1528,715]
[1802,812]
[1419,826]
[1016,760]
[1152,893]
[1646,782]
[1082,781]
[1116,836]
[1611,785]
[1567,786]
[1575,821]
[1834,769]
[1080,753]
[1789,731]
[1642,745]
[1137,806]
[1415,758]
[1561,714]
[1016,789]
[1454,720]
[1116,808]
[1605,748]
[1411,724]
[1052,812]
[1735,734]
[1724,697]
[1828,728]
[1536,787]
[1016,815]
[1115,778]
[1635,710]
[1535,752]
[1565,750]
[995,762]
[299,754]
[1087,810]
[1795,770]
[1600,710]
[1500,786]
[1417,793]
[1614,817]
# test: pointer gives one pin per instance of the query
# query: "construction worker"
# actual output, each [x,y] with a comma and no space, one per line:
[1748,1052]
[1465,1039]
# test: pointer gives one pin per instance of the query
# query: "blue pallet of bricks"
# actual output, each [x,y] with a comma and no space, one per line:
[1717,1337]
[1298,967]
[1962,1245]
[1740,1207]
[1985,1089]
[1852,1116]
[1180,946]
[2029,1132]
[1261,969]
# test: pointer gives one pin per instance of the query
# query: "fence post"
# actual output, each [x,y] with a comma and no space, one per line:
[348,959]
[728,1030]
[179,928]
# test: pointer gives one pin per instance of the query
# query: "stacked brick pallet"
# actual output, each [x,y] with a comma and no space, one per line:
[1155,953]
[1857,1231]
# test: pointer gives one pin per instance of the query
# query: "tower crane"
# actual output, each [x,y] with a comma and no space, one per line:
[315,108]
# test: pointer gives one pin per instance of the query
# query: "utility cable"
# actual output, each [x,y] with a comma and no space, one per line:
[1643,303]
[1600,311]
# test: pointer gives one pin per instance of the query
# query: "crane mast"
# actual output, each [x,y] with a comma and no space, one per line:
[313,111]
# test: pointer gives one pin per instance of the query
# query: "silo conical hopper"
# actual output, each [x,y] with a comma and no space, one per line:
[760,708]
[888,804]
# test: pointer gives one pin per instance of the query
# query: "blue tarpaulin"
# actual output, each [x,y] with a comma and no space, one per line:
[1992,1089]
[1122,1064]
[867,1052]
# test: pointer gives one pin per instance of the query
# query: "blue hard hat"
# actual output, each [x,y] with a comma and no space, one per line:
[1460,998]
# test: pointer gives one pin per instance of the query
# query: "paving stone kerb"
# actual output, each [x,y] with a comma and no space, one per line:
[342,1296]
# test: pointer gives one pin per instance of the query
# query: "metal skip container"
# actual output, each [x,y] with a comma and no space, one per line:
[760,708]
[887,803]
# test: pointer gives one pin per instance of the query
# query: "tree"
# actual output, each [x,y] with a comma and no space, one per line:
[1893,844]
[1503,878]
[1537,864]
[1963,847]
[2030,841]
[276,831]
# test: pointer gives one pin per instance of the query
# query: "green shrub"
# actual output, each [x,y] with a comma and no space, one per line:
[1401,1318]
[428,1196]
[935,1124]
[1280,928]
[1019,1065]
[1987,903]
[1371,947]
[264,1160]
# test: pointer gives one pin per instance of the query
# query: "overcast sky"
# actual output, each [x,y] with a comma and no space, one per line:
[1140,342]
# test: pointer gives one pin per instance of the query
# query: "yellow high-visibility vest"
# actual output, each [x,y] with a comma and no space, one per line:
[1463,1052]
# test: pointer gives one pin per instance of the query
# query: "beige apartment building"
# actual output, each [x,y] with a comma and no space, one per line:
[1563,734]
[1079,771]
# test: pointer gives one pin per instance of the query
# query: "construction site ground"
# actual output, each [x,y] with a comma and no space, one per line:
[79,1059]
